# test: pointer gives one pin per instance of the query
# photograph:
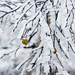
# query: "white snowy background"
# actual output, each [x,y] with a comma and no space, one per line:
[28,18]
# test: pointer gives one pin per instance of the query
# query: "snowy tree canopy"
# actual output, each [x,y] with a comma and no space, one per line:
[37,37]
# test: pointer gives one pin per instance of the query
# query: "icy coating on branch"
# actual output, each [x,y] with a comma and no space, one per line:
[37,37]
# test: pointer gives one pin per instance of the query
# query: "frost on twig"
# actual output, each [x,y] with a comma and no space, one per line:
[48,26]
